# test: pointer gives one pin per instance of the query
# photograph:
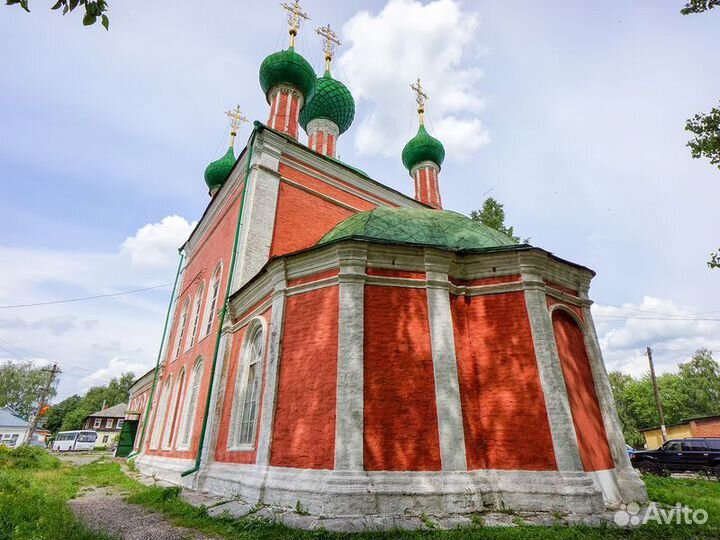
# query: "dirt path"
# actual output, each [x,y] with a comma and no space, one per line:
[103,510]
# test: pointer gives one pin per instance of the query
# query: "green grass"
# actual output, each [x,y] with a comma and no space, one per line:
[26,493]
[34,489]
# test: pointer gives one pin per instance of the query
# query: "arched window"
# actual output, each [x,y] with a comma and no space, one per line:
[196,317]
[188,417]
[212,300]
[181,328]
[172,413]
[160,414]
[247,389]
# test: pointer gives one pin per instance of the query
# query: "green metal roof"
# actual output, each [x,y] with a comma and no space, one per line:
[332,101]
[288,67]
[217,172]
[419,226]
[422,147]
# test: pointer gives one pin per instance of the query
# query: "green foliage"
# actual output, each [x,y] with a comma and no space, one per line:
[699,6]
[492,215]
[55,416]
[20,384]
[27,457]
[714,261]
[93,9]
[692,392]
[706,128]
[74,413]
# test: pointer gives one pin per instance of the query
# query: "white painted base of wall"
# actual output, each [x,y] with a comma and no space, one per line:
[349,493]
[167,469]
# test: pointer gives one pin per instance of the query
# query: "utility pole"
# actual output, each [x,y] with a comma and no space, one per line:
[657,395]
[43,397]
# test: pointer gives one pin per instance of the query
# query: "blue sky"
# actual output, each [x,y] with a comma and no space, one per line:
[570,113]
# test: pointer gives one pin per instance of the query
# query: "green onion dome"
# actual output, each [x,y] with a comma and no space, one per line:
[288,67]
[422,147]
[217,172]
[332,101]
[419,226]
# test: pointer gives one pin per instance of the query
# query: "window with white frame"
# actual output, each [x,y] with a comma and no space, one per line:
[212,300]
[160,414]
[98,423]
[120,423]
[172,413]
[181,328]
[247,390]
[189,410]
[195,317]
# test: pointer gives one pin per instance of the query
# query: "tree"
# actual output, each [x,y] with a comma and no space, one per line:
[112,394]
[693,391]
[701,383]
[20,385]
[698,6]
[714,261]
[492,214]
[57,413]
[706,128]
[621,385]
[93,9]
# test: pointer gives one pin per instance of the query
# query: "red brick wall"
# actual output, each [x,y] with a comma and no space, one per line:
[302,219]
[228,395]
[401,429]
[504,416]
[213,247]
[587,418]
[706,428]
[304,430]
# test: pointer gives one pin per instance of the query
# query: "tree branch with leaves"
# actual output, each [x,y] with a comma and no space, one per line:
[94,10]
[699,6]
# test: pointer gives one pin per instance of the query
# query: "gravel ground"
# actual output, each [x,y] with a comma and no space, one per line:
[102,510]
[80,458]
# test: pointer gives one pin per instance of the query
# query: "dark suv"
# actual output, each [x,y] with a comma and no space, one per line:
[679,455]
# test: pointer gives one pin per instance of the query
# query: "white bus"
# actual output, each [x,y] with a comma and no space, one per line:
[74,440]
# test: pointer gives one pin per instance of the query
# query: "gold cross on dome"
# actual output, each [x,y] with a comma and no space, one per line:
[236,120]
[295,16]
[330,41]
[421,97]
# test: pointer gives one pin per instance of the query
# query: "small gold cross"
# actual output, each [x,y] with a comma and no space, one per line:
[421,97]
[295,15]
[236,120]
[330,40]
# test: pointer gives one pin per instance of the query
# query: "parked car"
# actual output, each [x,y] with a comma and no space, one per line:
[680,455]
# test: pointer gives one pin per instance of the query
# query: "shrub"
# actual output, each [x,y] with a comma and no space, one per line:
[28,457]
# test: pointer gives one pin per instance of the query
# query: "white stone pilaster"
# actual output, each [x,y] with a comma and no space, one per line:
[447,386]
[349,413]
[629,483]
[557,404]
[272,366]
[258,219]
[207,452]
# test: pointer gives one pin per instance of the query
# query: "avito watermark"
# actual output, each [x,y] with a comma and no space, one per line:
[632,515]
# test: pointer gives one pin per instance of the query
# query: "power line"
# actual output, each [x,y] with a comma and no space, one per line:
[636,318]
[83,298]
[657,312]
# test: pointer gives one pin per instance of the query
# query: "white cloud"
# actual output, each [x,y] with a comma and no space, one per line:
[386,51]
[155,245]
[93,341]
[115,368]
[673,331]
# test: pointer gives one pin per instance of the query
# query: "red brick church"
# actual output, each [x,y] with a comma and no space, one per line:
[335,342]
